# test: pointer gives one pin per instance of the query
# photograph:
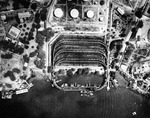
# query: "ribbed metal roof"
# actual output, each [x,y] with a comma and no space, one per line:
[79,50]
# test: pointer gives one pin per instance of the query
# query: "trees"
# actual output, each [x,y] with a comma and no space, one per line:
[139,13]
[26,58]
[8,45]
[34,6]
[40,61]
[32,54]
[140,24]
[7,56]
[43,14]
[48,33]
[37,18]
[17,3]
[16,70]
[11,75]
[40,40]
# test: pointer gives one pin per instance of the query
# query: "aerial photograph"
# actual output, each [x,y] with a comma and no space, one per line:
[74,58]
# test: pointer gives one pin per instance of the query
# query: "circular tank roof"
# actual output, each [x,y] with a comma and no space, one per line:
[58,12]
[74,13]
[90,14]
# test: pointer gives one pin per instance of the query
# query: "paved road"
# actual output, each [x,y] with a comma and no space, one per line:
[43,101]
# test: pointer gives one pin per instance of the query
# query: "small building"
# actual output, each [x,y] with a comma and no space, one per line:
[146,67]
[21,91]
[24,15]
[121,11]
[14,32]
[3,17]
[124,67]
[141,69]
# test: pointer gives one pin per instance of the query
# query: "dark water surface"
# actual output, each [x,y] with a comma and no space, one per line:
[43,101]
